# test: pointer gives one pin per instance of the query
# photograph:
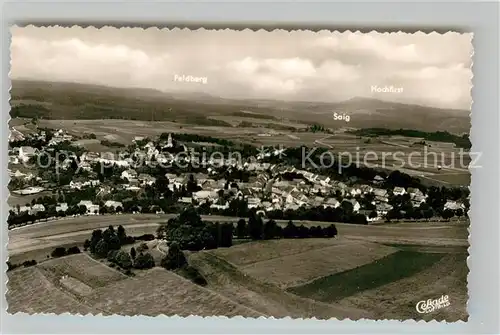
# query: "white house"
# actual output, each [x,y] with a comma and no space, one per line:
[217,206]
[25,153]
[355,191]
[366,189]
[186,200]
[129,174]
[91,208]
[37,208]
[355,204]
[113,204]
[204,195]
[62,207]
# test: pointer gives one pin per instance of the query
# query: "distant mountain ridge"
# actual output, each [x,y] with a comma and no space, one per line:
[74,100]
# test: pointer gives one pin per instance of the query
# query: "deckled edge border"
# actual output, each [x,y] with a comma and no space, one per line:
[185,27]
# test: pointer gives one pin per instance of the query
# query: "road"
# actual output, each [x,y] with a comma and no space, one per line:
[42,237]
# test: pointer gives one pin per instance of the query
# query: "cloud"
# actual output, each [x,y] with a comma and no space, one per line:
[74,60]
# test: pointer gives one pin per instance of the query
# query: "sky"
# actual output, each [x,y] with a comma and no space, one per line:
[427,69]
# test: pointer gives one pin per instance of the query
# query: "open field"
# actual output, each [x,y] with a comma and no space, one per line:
[250,279]
[38,240]
[45,288]
[31,292]
[298,269]
[367,276]
[250,253]
[231,282]
[163,292]
[82,268]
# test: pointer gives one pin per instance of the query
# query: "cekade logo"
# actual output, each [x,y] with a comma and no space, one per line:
[428,306]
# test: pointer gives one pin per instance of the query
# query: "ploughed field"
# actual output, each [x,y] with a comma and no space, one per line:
[352,276]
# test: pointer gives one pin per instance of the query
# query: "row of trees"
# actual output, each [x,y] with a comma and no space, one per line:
[256,229]
[190,232]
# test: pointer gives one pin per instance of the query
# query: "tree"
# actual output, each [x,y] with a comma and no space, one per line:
[111,238]
[73,250]
[144,261]
[102,249]
[112,255]
[96,237]
[174,259]
[269,231]
[132,253]
[241,229]
[123,260]
[121,234]
[255,226]
[188,231]
[226,236]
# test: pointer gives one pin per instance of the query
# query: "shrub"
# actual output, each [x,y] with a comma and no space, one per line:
[73,250]
[144,261]
[174,259]
[11,266]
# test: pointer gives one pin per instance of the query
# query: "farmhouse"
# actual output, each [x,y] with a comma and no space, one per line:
[37,208]
[331,202]
[399,191]
[113,204]
[383,208]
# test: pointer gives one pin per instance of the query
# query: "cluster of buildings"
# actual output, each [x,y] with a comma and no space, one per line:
[268,188]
